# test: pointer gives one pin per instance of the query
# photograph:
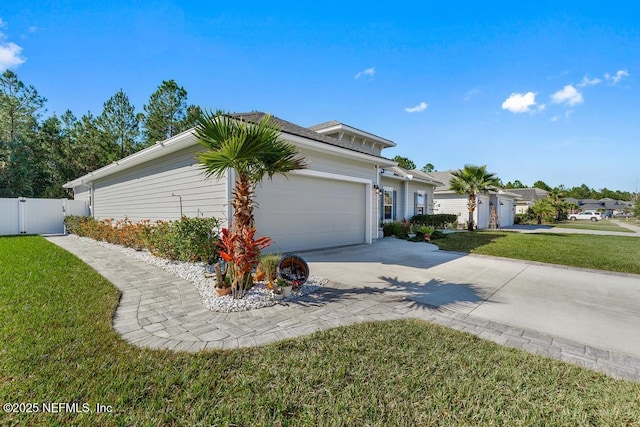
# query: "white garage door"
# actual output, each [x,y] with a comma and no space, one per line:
[302,212]
[506,213]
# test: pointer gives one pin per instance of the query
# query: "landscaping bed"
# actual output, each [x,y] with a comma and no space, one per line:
[198,274]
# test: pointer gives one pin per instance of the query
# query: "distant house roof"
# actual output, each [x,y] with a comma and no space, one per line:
[412,175]
[444,177]
[529,194]
[606,203]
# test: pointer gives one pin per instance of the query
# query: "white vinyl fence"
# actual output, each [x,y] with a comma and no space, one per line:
[37,216]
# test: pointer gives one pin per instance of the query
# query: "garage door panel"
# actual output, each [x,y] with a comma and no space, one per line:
[304,212]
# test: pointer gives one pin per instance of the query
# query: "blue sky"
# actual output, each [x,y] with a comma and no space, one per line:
[544,90]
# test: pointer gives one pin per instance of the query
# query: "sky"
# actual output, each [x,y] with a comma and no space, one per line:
[542,90]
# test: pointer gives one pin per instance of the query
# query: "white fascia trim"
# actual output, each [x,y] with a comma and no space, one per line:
[157,150]
[399,178]
[367,135]
[323,147]
[328,175]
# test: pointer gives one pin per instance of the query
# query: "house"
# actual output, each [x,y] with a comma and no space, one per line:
[405,193]
[338,200]
[528,198]
[447,201]
[607,206]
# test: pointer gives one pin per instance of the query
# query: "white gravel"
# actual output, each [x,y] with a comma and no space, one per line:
[256,297]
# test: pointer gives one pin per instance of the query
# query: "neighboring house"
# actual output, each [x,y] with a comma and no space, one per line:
[607,206]
[405,193]
[338,200]
[447,201]
[528,198]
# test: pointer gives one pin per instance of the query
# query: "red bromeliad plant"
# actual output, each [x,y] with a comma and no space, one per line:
[242,253]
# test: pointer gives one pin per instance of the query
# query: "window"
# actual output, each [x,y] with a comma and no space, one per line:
[420,203]
[388,204]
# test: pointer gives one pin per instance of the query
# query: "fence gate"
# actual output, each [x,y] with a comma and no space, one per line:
[37,216]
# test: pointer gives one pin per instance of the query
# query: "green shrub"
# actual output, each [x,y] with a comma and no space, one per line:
[196,239]
[189,239]
[396,228]
[435,220]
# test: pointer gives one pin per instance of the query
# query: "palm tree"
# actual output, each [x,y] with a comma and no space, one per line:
[543,210]
[555,196]
[254,150]
[473,180]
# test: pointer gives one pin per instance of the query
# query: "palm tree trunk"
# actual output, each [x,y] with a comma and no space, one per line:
[472,207]
[242,220]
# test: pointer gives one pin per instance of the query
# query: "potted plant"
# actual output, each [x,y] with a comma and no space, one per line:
[412,232]
[223,281]
[426,232]
[267,269]
[284,287]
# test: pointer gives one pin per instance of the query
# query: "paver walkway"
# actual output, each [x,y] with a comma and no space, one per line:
[158,310]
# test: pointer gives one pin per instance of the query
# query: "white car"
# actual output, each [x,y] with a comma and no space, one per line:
[590,215]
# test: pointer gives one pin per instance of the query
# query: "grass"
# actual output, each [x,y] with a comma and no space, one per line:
[612,253]
[604,225]
[57,345]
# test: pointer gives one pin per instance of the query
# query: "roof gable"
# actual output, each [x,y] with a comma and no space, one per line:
[310,133]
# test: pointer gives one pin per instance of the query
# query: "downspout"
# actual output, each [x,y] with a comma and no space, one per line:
[406,199]
[91,200]
[377,203]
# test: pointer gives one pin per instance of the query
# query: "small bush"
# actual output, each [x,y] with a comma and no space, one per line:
[396,228]
[393,229]
[435,220]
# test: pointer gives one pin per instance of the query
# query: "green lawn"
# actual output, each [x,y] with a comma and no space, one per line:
[57,345]
[613,253]
[604,225]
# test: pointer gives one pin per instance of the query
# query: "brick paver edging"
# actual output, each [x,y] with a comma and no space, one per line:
[161,311]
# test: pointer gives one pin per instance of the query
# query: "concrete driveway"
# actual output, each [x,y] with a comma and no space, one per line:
[596,308]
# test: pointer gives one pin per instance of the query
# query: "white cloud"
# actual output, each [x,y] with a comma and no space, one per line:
[568,95]
[418,108]
[520,102]
[368,72]
[9,52]
[32,29]
[619,75]
[586,81]
[10,56]
[471,94]
[567,116]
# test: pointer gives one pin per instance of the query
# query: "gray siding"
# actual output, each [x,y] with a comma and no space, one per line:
[452,204]
[330,163]
[145,192]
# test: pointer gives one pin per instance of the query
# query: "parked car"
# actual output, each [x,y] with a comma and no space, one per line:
[590,215]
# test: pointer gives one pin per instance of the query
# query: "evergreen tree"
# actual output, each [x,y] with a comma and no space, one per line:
[428,168]
[20,107]
[166,114]
[404,162]
[120,125]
